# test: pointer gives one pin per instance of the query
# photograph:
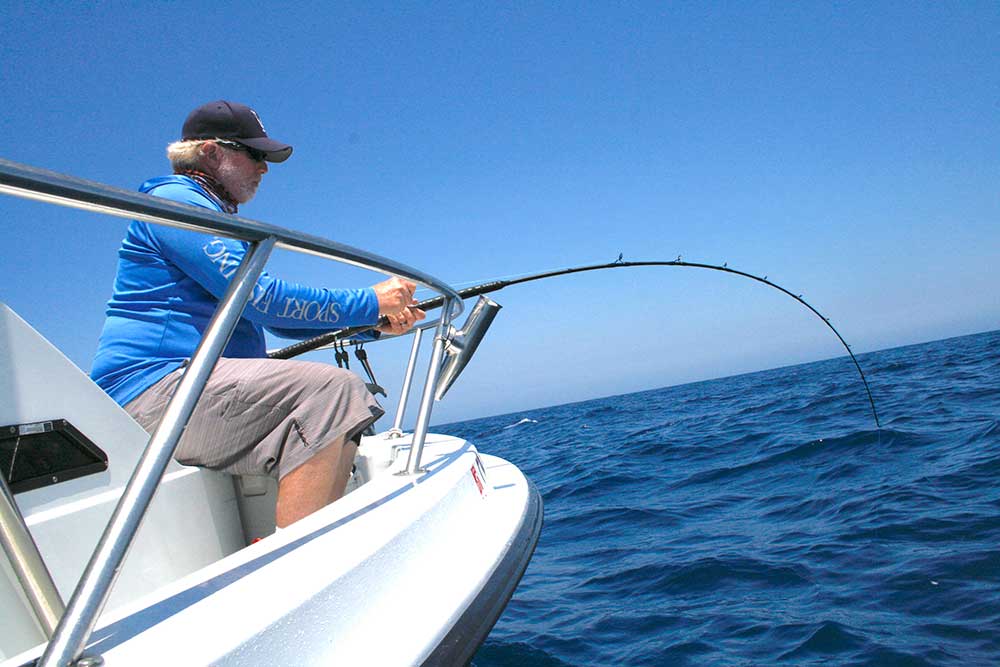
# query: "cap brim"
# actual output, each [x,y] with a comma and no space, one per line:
[274,151]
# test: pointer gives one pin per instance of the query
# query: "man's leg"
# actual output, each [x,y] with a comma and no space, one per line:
[265,416]
[316,483]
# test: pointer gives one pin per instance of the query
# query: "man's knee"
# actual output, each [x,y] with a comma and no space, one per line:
[313,377]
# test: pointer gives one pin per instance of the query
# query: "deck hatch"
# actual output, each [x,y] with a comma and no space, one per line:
[39,454]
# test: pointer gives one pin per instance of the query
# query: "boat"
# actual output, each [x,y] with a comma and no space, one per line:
[114,554]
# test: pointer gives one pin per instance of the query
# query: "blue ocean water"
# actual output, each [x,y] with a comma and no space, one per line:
[762,519]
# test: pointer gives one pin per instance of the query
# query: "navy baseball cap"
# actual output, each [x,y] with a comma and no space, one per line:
[237,122]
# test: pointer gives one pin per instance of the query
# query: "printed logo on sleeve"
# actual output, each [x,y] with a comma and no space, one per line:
[300,310]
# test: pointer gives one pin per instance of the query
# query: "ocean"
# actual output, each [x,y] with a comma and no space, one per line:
[762,519]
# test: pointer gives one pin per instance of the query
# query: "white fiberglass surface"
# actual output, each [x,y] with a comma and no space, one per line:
[395,556]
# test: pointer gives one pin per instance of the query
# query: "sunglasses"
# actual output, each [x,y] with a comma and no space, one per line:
[256,155]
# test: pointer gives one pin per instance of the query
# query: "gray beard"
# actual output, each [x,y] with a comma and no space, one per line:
[241,189]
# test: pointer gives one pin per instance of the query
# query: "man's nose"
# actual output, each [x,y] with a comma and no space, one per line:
[262,167]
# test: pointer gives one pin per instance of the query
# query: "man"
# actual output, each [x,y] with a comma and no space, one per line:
[297,421]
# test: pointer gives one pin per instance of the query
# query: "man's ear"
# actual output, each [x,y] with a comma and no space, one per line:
[211,154]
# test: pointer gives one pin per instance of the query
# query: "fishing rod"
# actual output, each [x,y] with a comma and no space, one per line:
[495,285]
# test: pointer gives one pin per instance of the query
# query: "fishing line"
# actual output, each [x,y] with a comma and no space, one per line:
[495,285]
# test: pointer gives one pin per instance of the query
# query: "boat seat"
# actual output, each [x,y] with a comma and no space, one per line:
[193,520]
[257,497]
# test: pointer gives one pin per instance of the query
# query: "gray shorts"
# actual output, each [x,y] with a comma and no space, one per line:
[264,416]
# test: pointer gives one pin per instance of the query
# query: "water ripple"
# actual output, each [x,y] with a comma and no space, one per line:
[760,520]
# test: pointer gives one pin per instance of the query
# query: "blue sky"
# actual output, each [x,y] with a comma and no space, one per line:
[849,151]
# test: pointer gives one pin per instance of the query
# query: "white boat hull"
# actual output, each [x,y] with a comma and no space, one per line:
[399,572]
[403,570]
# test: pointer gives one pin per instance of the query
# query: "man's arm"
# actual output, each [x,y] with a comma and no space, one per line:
[289,308]
[212,261]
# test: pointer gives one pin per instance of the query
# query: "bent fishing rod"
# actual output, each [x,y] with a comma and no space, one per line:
[492,286]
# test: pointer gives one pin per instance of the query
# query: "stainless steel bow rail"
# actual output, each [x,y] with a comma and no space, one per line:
[70,637]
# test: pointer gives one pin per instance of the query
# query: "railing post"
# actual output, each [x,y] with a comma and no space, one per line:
[27,563]
[92,591]
[404,392]
[427,400]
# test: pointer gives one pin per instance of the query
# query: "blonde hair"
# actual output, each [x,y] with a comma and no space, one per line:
[186,154]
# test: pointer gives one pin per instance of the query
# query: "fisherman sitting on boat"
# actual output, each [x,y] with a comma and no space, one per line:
[297,421]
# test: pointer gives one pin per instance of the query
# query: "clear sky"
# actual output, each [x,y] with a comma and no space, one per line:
[849,151]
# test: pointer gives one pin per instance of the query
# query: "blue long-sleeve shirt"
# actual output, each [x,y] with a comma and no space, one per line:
[168,285]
